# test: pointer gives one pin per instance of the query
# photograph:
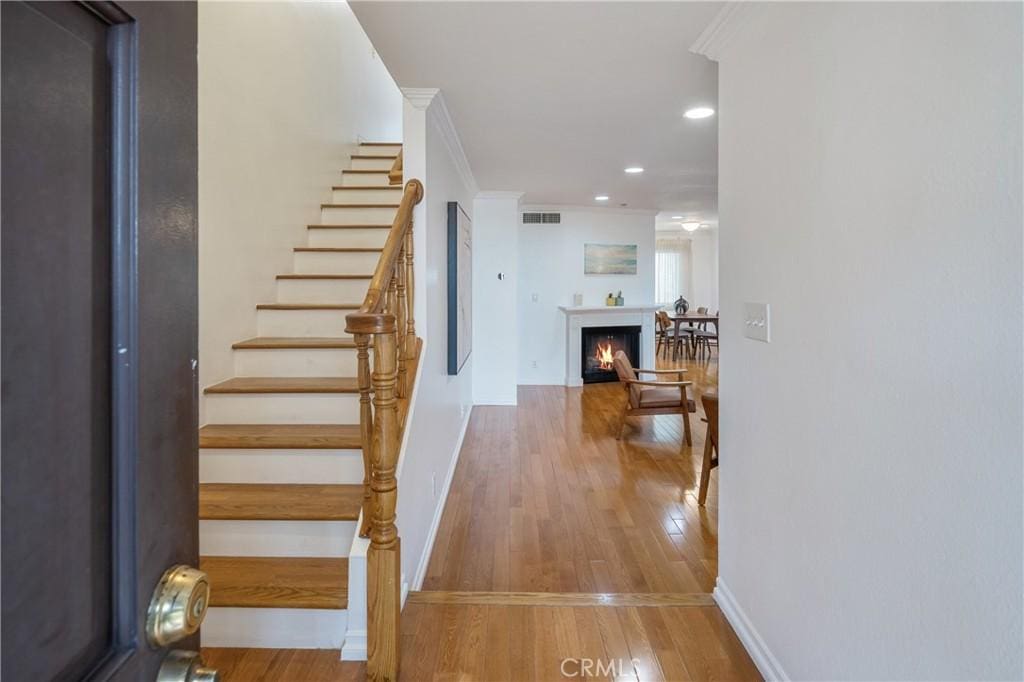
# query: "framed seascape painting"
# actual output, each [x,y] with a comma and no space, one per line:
[609,259]
[460,287]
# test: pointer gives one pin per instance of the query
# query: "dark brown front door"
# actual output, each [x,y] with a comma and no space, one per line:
[98,140]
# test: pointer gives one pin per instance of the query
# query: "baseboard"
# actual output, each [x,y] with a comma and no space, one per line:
[354,648]
[421,567]
[762,656]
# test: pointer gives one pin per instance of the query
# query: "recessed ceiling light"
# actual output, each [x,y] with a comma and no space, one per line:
[699,112]
[601,197]
[690,227]
[634,169]
[677,217]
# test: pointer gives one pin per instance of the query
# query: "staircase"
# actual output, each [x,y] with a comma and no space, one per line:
[281,465]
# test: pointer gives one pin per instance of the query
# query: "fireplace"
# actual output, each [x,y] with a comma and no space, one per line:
[599,345]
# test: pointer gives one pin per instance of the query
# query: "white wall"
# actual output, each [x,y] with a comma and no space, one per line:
[871,477]
[551,267]
[495,327]
[704,269]
[285,90]
[442,403]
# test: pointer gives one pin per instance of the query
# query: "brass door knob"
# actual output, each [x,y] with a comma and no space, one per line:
[185,666]
[178,605]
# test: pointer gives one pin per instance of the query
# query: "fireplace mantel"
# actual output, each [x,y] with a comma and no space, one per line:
[577,317]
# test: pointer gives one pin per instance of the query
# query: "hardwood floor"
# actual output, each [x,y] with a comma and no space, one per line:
[522,643]
[545,500]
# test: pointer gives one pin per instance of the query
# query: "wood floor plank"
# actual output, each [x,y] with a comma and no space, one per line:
[572,599]
[283,502]
[277,582]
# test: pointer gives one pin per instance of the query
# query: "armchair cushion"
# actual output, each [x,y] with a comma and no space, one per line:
[651,396]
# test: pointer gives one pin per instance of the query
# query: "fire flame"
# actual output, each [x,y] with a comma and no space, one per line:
[604,355]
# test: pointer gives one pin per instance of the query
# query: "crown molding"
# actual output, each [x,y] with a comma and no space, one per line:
[722,29]
[588,209]
[497,194]
[432,101]
[420,98]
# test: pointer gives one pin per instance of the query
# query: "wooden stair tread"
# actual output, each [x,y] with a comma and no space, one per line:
[268,342]
[380,144]
[279,501]
[338,249]
[363,171]
[359,205]
[339,188]
[377,226]
[277,582]
[373,156]
[281,436]
[325,276]
[308,306]
[286,385]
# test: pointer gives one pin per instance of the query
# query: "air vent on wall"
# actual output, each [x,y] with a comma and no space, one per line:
[541,218]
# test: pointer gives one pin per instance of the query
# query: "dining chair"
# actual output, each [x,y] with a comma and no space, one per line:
[704,338]
[710,402]
[645,398]
[660,320]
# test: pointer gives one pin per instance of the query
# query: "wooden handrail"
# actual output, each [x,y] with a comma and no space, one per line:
[386,315]
[395,174]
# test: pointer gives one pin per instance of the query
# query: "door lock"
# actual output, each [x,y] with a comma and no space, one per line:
[178,605]
[185,666]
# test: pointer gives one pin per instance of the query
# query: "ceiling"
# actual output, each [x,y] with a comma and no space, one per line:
[555,99]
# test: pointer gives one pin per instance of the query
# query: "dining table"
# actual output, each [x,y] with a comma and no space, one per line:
[692,319]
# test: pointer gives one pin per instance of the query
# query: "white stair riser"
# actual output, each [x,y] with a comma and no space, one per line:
[354,237]
[365,179]
[350,215]
[230,465]
[295,362]
[301,323]
[321,290]
[276,538]
[336,262]
[282,408]
[383,164]
[379,149]
[391,195]
[274,628]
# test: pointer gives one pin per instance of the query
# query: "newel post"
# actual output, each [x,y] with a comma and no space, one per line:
[384,557]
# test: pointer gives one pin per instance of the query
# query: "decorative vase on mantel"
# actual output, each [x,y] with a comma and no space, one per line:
[610,300]
[619,300]
[682,306]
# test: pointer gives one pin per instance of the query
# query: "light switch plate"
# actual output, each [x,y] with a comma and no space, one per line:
[757,322]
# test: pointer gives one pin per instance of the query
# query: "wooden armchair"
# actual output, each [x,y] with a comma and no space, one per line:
[710,402]
[645,398]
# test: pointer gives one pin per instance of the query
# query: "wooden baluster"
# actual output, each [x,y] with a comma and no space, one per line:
[391,307]
[365,424]
[400,320]
[410,327]
[383,561]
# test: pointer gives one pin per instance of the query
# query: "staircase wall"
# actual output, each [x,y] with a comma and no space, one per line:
[442,403]
[286,89]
